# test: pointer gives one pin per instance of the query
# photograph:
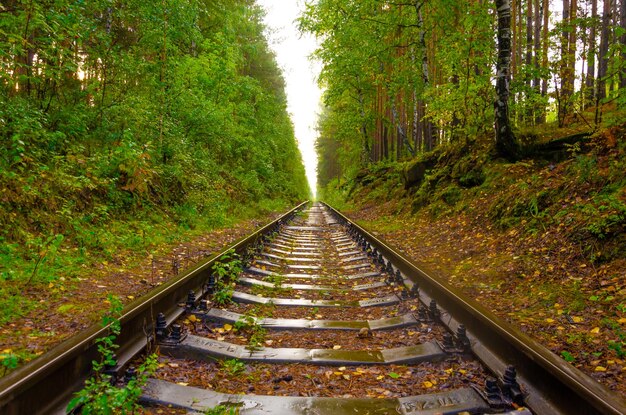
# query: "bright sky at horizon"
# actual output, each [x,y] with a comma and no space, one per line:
[303,94]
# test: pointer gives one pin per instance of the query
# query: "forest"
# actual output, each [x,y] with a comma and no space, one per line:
[412,76]
[126,124]
[418,95]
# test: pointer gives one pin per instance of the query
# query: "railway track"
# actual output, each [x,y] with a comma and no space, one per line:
[319,317]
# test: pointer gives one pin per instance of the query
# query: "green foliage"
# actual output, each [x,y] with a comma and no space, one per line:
[226,271]
[233,367]
[256,333]
[100,396]
[567,356]
[222,410]
[223,294]
[228,267]
[8,361]
[127,126]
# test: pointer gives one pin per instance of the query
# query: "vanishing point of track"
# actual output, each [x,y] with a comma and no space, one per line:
[349,326]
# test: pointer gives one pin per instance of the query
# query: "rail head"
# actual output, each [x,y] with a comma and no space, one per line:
[553,385]
[46,384]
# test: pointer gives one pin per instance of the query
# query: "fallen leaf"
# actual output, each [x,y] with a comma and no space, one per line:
[336,347]
[600,369]
[228,327]
[577,319]
[595,330]
[427,384]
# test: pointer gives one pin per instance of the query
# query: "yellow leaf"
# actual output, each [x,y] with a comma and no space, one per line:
[182,383]
[595,330]
[577,319]
[192,318]
[462,371]
[130,297]
[228,327]
[549,320]
[380,377]
[336,347]
[7,351]
[342,368]
[622,320]
[338,373]
[427,384]
[600,369]
[346,377]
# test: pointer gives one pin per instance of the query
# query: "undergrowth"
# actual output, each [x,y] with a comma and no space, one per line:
[583,195]
[100,394]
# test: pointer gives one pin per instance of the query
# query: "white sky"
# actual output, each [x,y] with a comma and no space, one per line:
[303,94]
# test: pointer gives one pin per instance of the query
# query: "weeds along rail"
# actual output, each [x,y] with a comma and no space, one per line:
[56,375]
[316,315]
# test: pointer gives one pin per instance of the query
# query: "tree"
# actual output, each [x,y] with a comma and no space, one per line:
[506,144]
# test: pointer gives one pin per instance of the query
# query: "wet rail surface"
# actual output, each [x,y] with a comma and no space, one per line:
[321,318]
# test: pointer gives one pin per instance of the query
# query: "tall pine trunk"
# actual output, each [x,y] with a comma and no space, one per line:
[506,144]
[622,40]
[590,92]
[603,64]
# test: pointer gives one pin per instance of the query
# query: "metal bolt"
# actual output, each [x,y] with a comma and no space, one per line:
[191,300]
[389,267]
[175,266]
[510,386]
[177,333]
[204,305]
[130,374]
[493,392]
[448,341]
[161,325]
[399,278]
[381,259]
[422,315]
[461,335]
[415,290]
[510,376]
[433,310]
[210,285]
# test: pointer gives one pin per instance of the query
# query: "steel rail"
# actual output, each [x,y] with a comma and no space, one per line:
[46,384]
[552,385]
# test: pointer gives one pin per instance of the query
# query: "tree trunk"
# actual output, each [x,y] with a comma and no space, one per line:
[506,145]
[538,112]
[571,52]
[622,40]
[426,124]
[402,138]
[590,92]
[603,63]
